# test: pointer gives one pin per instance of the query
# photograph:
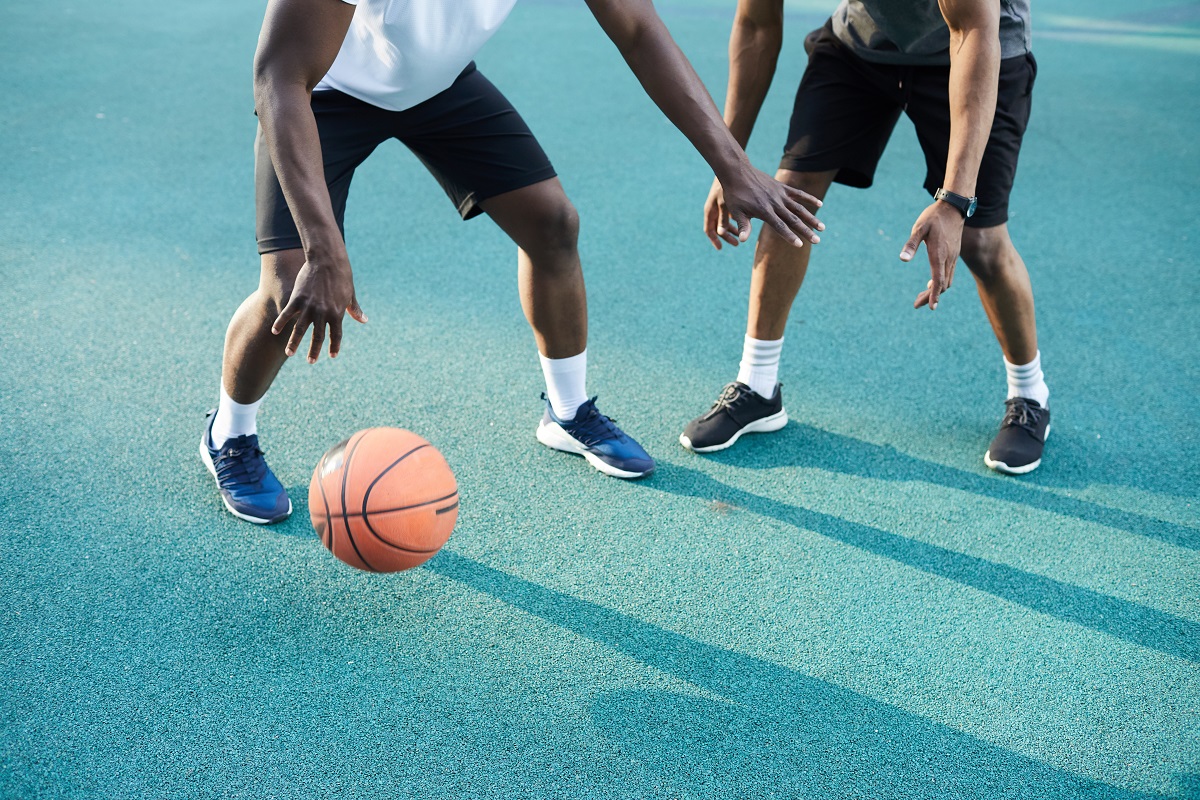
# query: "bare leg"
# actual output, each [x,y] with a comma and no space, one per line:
[779,266]
[1004,288]
[545,227]
[253,355]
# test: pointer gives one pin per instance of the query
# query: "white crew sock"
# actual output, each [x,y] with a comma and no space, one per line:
[760,365]
[234,419]
[1027,380]
[566,384]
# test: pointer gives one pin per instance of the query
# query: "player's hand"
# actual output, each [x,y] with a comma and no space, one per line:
[756,195]
[940,227]
[322,294]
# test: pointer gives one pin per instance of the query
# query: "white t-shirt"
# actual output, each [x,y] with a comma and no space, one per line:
[399,53]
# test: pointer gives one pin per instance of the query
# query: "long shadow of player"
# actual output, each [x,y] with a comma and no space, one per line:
[781,732]
[1124,619]
[806,446]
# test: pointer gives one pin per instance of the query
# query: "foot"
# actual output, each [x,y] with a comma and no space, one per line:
[248,487]
[595,437]
[738,410]
[1017,448]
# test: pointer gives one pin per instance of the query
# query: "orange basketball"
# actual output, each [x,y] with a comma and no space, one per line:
[383,500]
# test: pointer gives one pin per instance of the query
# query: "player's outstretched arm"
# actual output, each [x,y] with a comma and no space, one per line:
[754,45]
[974,76]
[666,75]
[299,41]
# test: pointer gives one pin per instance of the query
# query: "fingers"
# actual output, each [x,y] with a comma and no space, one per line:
[318,339]
[291,310]
[786,226]
[297,337]
[801,197]
[806,223]
[914,241]
[712,223]
[742,221]
[722,226]
[355,310]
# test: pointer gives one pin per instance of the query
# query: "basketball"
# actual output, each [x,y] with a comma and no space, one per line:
[384,500]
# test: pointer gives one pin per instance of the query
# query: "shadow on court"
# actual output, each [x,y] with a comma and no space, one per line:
[1126,620]
[781,730]
[805,446]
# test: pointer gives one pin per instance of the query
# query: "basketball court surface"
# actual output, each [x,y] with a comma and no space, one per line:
[854,607]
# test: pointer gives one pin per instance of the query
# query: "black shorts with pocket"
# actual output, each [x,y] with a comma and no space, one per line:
[469,137]
[846,109]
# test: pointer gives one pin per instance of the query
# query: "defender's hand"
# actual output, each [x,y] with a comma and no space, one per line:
[755,194]
[320,296]
[940,226]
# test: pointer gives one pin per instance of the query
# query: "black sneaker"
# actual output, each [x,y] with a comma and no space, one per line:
[1017,448]
[738,410]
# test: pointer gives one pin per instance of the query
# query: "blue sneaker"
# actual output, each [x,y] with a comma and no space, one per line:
[595,437]
[248,487]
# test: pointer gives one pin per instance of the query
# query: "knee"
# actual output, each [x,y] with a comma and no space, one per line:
[277,277]
[989,254]
[557,228]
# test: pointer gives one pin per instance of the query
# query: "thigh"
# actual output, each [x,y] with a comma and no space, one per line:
[474,143]
[929,108]
[349,130]
[844,113]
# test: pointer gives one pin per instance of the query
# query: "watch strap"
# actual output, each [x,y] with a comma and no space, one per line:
[964,204]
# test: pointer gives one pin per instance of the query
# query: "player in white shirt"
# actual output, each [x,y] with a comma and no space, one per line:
[331,82]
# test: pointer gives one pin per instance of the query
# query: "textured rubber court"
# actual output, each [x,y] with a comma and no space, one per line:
[852,608]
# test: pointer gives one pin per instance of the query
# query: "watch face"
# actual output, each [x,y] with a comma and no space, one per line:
[971,207]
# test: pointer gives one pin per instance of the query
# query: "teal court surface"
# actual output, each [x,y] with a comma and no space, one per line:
[854,607]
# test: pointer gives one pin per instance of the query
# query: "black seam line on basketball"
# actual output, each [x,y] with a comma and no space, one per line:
[325,500]
[447,509]
[377,512]
[367,520]
[345,515]
[401,548]
[379,477]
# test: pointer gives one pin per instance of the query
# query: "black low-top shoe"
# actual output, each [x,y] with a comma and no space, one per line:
[738,410]
[1017,448]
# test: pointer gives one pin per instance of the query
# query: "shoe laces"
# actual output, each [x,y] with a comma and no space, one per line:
[590,427]
[731,397]
[1022,413]
[240,461]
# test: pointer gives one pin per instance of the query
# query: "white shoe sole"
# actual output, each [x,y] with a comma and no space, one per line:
[764,425]
[212,470]
[552,435]
[1000,466]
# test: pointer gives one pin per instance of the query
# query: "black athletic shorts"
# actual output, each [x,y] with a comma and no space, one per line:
[469,137]
[846,109]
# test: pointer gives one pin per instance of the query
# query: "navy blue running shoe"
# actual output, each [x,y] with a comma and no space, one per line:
[248,487]
[595,437]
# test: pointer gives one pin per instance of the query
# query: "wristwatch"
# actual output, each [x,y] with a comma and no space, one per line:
[966,205]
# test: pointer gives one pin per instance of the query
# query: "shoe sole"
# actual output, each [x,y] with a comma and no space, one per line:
[764,425]
[212,470]
[556,438]
[1000,466]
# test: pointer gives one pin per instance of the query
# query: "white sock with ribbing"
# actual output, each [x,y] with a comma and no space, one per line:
[1027,380]
[759,368]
